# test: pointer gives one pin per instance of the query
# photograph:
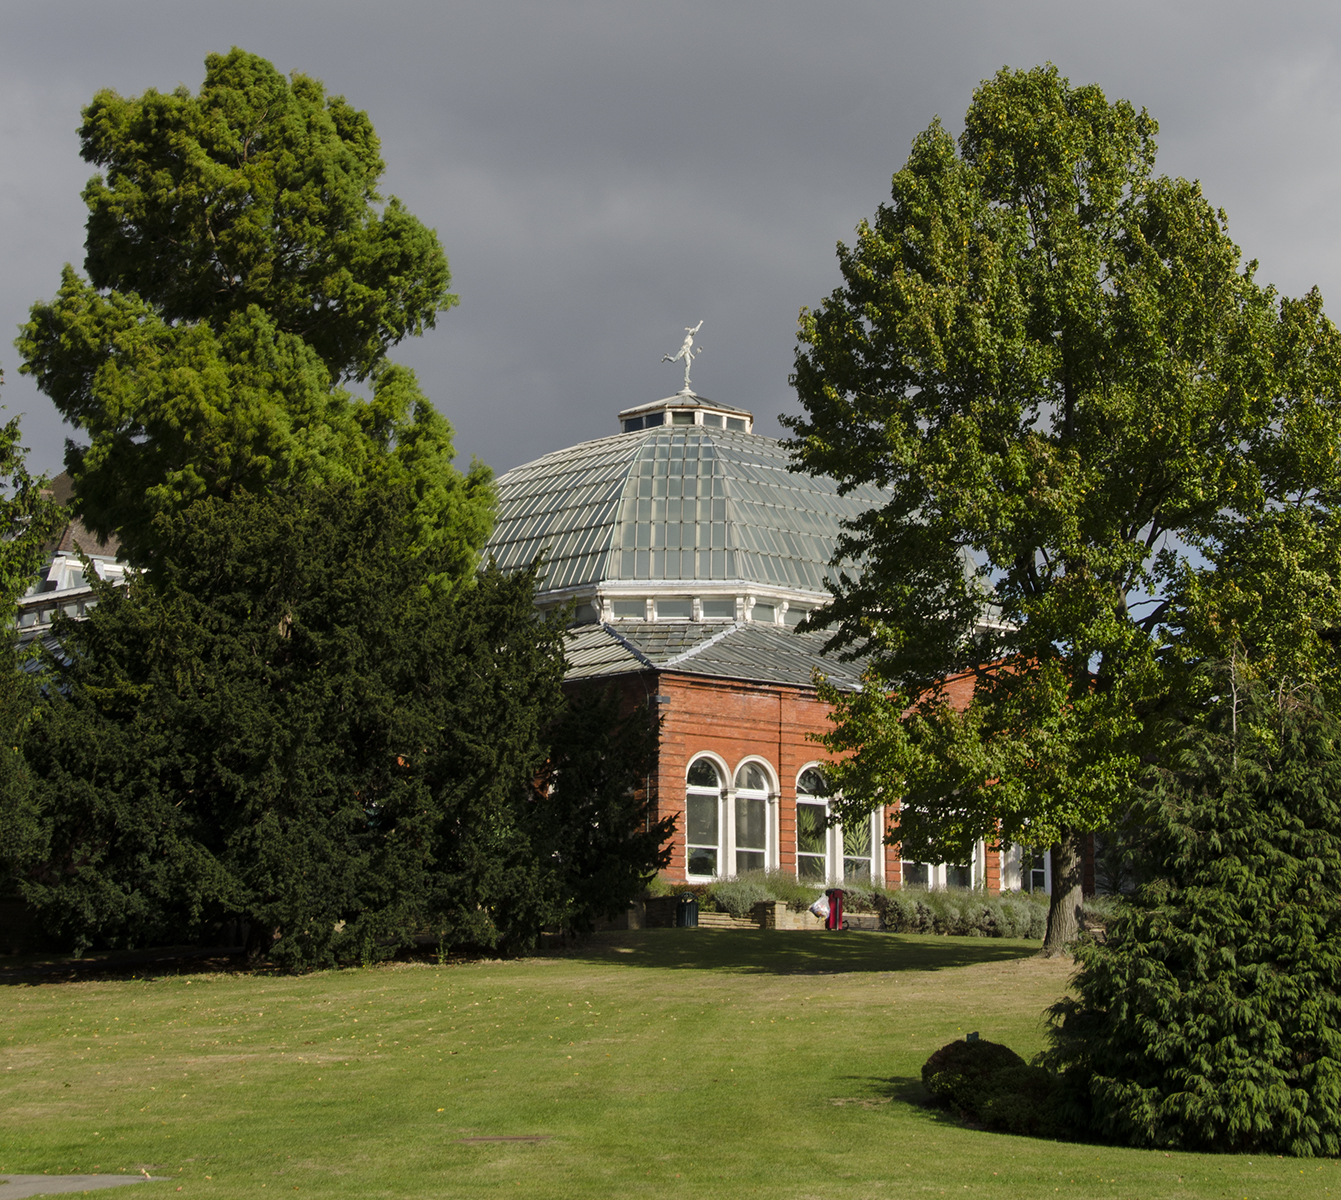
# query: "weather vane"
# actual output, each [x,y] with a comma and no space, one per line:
[686,352]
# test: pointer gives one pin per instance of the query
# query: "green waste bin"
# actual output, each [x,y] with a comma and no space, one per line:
[686,912]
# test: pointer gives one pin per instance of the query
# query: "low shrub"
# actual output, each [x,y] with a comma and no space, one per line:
[1101,911]
[963,913]
[739,896]
[902,910]
[990,1085]
[702,892]
[784,886]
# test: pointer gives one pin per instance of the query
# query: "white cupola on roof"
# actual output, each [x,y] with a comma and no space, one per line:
[685,408]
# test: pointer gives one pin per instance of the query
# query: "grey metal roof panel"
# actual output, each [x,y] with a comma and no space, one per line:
[688,503]
[747,652]
[594,650]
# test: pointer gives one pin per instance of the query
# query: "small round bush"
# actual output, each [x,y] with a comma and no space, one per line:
[956,1073]
[989,1084]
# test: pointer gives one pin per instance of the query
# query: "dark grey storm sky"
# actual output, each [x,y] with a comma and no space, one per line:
[604,174]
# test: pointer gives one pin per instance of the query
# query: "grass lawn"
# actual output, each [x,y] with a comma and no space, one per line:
[663,1063]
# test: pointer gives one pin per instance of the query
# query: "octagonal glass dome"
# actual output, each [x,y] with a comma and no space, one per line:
[683,506]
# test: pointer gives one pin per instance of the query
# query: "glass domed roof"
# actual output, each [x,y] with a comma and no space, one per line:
[672,505]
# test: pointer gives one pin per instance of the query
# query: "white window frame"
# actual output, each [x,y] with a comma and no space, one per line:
[938,874]
[833,841]
[724,777]
[726,814]
[769,795]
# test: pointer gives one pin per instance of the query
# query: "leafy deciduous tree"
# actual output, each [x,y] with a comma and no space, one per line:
[1057,365]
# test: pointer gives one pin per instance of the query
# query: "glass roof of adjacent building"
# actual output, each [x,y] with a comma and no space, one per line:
[686,503]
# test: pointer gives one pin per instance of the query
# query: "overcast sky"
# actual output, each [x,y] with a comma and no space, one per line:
[604,174]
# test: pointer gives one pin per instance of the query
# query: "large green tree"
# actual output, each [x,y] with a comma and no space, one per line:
[285,725]
[241,267]
[29,520]
[1101,440]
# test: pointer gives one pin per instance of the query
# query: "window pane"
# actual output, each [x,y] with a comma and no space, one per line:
[750,824]
[702,861]
[857,870]
[812,783]
[959,876]
[749,860]
[701,819]
[719,608]
[751,776]
[1038,875]
[857,840]
[704,774]
[915,874]
[810,829]
[810,868]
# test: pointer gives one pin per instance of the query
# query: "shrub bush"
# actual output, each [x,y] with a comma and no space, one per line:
[739,896]
[963,913]
[902,910]
[989,1084]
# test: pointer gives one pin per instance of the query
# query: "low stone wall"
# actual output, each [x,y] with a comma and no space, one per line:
[721,920]
[774,914]
[659,912]
[634,918]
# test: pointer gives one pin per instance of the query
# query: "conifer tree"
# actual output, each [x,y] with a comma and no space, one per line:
[241,266]
[1210,1017]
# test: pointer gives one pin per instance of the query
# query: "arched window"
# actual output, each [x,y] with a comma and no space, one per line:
[831,853]
[751,818]
[702,808]
[812,819]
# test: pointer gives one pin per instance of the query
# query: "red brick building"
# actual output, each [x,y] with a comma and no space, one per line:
[689,552]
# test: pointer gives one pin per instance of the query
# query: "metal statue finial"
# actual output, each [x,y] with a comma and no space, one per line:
[686,352]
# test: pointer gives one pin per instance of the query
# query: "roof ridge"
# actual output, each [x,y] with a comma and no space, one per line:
[703,645]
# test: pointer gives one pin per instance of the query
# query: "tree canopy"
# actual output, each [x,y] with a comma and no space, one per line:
[312,713]
[285,727]
[1100,436]
[259,191]
[241,267]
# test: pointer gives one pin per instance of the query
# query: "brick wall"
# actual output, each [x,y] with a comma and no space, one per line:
[733,721]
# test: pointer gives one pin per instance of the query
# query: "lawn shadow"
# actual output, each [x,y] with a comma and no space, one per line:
[905,1091]
[783,952]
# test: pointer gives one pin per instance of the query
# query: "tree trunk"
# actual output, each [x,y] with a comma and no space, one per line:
[1068,873]
[259,940]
